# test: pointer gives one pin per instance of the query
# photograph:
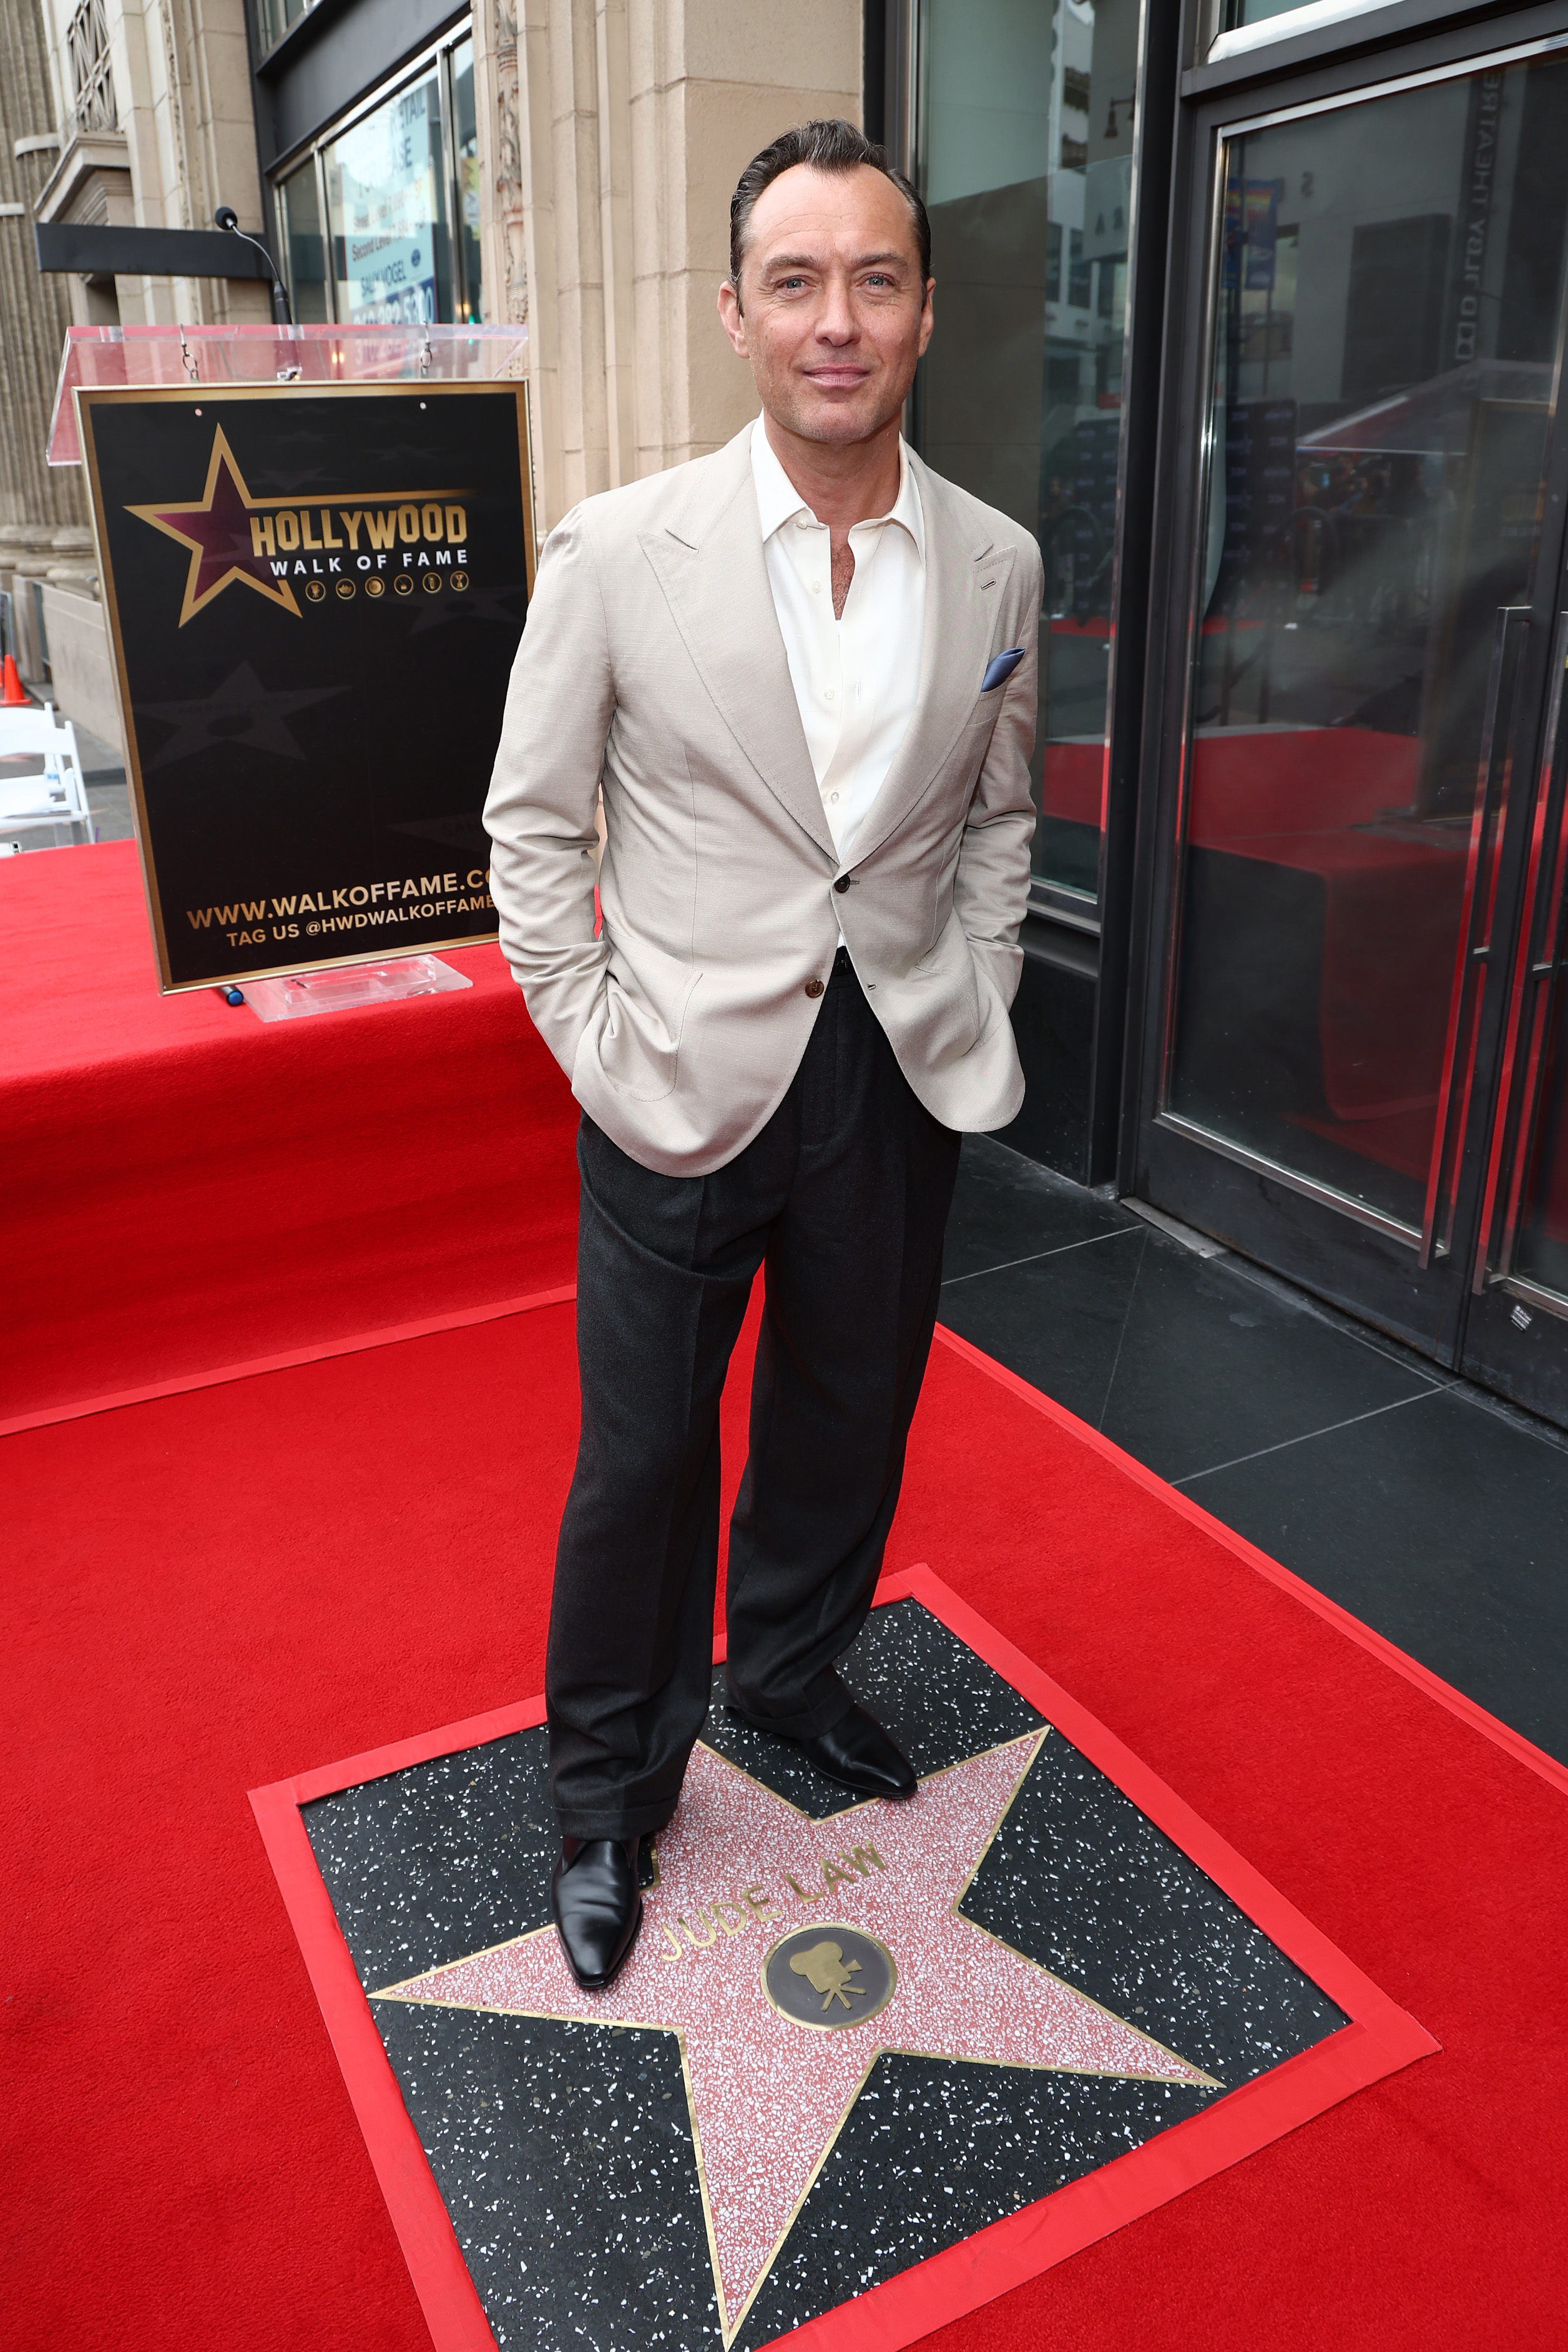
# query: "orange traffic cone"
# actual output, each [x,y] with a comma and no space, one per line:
[13,693]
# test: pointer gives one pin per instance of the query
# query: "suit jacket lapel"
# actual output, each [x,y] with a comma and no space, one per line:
[710,564]
[964,572]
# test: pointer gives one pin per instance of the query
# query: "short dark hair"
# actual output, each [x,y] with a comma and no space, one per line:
[827,146]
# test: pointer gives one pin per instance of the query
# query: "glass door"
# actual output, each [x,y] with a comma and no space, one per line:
[1515,1336]
[1357,1069]
[1025,139]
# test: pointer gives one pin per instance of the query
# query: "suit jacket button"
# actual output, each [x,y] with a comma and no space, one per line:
[842,884]
[813,988]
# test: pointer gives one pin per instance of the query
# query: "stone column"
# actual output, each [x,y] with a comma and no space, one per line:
[192,134]
[713,82]
[615,132]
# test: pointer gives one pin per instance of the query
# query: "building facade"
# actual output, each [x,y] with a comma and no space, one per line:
[154,123]
[1253,312]
[564,164]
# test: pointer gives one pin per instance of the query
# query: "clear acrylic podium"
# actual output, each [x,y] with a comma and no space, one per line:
[302,356]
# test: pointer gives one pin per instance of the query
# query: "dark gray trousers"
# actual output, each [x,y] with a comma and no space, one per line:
[843,1197]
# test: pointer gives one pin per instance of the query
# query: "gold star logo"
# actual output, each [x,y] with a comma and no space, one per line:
[217,530]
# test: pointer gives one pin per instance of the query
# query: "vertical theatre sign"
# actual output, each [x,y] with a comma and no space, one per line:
[314,599]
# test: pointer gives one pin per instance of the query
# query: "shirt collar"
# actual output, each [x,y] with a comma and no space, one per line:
[778,500]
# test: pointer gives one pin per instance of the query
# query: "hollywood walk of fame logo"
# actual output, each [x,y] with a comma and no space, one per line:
[217,530]
[321,540]
[893,1951]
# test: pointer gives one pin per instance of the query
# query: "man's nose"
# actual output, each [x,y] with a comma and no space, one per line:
[836,321]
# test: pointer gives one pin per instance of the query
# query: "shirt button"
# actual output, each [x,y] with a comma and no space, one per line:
[816,587]
[813,988]
[833,796]
[842,884]
[827,694]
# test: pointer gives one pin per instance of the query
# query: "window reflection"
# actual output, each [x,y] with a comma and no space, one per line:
[1388,315]
[1025,146]
[276,17]
[387,213]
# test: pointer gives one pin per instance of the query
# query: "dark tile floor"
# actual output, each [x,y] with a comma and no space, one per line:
[1433,1512]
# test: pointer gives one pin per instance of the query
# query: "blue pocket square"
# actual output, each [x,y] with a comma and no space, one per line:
[1000,668]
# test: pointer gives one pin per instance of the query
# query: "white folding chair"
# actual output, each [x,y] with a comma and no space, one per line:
[58,796]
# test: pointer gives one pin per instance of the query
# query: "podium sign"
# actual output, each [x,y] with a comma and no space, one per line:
[314,597]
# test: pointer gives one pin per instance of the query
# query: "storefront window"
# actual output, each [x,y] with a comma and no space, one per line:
[276,17]
[387,213]
[304,247]
[380,224]
[1024,153]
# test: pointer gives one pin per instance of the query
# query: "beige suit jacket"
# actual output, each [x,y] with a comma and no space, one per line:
[652,661]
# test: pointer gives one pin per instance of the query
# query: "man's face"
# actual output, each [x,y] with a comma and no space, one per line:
[832,312]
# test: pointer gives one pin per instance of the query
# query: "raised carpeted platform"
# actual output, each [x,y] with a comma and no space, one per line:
[188,1187]
[216,1590]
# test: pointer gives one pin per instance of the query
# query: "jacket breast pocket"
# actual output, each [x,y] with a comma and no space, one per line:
[648,997]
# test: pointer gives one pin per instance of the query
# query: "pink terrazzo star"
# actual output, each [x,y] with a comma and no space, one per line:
[739,1868]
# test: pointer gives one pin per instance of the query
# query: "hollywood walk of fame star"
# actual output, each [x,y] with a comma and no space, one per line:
[739,1869]
[242,711]
[216,529]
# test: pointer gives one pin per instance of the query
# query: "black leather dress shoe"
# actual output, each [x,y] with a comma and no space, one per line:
[596,1904]
[858,1752]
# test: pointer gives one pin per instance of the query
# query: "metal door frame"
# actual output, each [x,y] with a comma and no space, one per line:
[1362,1261]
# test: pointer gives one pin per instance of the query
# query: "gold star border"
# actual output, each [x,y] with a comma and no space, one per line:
[276,593]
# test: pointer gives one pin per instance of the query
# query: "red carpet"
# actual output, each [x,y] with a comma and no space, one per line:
[212,1591]
[186,1186]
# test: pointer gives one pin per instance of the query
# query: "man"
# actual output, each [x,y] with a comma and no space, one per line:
[803,671]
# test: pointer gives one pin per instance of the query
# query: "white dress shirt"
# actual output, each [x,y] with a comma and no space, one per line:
[854,679]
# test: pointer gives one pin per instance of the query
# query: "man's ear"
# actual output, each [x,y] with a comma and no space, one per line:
[731,318]
[928,319]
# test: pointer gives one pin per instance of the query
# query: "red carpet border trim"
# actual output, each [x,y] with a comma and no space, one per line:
[353,1344]
[1380,2040]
